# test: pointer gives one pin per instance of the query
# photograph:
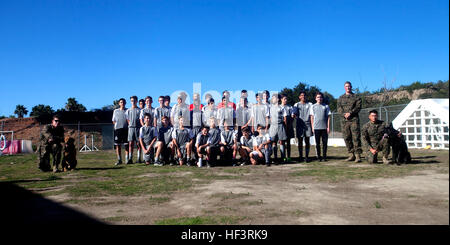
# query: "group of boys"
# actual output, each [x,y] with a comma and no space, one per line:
[186,134]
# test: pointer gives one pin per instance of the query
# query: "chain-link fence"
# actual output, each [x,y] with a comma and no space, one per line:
[385,113]
[90,136]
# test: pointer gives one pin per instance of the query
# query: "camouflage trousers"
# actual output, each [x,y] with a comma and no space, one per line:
[352,136]
[383,147]
[47,150]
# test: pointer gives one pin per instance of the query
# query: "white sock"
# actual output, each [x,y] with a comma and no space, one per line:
[200,162]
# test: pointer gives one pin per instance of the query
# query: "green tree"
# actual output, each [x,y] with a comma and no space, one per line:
[20,111]
[73,105]
[41,110]
[310,91]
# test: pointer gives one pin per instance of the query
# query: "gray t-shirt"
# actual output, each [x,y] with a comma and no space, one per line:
[183,111]
[207,114]
[227,137]
[243,115]
[247,142]
[277,114]
[149,111]
[262,138]
[321,112]
[214,137]
[259,114]
[302,111]
[226,114]
[159,112]
[147,134]
[196,116]
[120,119]
[133,117]
[165,134]
[182,136]
[201,139]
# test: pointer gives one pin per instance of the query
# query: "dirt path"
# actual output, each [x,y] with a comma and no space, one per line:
[272,197]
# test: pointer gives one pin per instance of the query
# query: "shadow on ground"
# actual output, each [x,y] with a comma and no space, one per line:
[22,207]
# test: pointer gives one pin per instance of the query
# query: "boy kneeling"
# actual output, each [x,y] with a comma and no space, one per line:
[147,139]
[182,140]
[261,147]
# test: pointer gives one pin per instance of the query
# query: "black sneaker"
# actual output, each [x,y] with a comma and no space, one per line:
[267,164]
[130,161]
[325,159]
[307,160]
[118,162]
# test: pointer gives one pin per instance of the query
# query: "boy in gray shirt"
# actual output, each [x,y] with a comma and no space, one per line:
[133,126]
[119,120]
[147,109]
[147,139]
[301,112]
[320,120]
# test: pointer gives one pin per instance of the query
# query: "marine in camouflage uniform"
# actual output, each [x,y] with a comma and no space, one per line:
[372,135]
[351,103]
[51,141]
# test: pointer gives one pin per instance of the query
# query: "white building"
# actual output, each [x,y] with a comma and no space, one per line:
[425,123]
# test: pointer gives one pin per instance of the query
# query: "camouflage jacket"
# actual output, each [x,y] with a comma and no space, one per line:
[372,133]
[50,132]
[349,103]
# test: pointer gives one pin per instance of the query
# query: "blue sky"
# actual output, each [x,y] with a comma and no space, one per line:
[98,51]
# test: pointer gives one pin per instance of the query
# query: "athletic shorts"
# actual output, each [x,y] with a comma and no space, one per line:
[133,134]
[183,152]
[277,132]
[121,136]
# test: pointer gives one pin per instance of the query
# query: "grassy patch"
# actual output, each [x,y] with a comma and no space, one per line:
[229,195]
[115,219]
[377,204]
[201,220]
[157,200]
[253,203]
[343,172]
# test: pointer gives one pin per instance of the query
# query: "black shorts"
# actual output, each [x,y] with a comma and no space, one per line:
[121,136]
[203,151]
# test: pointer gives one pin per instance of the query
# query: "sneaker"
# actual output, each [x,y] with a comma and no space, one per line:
[55,169]
[325,159]
[307,160]
[130,161]
[118,162]
[188,163]
[288,159]
[208,165]
[267,164]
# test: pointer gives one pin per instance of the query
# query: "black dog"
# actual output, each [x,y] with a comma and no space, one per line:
[400,153]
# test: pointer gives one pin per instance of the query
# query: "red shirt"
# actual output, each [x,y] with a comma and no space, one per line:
[191,107]
[230,104]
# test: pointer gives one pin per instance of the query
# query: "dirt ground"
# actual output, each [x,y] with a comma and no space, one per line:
[274,195]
